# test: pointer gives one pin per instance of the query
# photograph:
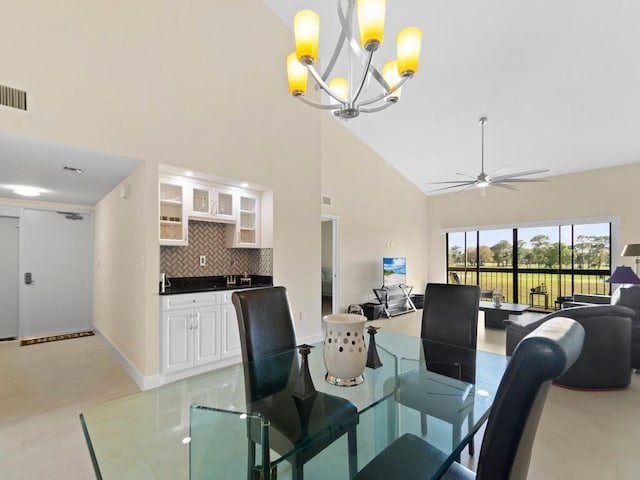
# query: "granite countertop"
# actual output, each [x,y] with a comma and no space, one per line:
[214,283]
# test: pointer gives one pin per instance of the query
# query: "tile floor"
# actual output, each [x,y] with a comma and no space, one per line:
[43,388]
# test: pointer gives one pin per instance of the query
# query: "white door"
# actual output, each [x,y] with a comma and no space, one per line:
[230,333]
[177,339]
[206,335]
[8,277]
[56,273]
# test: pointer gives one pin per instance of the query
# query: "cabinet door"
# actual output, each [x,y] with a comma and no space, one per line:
[201,201]
[245,233]
[223,205]
[206,335]
[177,342]
[173,214]
[230,333]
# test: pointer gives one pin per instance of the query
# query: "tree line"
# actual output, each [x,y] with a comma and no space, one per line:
[589,252]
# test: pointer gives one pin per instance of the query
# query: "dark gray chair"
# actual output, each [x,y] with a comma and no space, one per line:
[605,362]
[449,320]
[630,297]
[506,449]
[270,363]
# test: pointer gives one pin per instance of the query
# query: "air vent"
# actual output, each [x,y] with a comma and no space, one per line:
[326,200]
[12,97]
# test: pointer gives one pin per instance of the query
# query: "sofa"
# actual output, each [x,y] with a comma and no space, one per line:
[605,361]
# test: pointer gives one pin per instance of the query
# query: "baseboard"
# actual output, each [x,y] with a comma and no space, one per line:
[143,382]
[154,381]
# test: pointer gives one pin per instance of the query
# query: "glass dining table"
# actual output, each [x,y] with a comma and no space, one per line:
[199,427]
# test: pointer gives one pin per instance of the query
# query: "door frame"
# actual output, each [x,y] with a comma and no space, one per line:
[335,263]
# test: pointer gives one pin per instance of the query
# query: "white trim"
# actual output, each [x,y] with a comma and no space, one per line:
[154,381]
[335,267]
[614,220]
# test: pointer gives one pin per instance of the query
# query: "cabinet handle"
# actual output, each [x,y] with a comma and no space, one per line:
[197,321]
[190,322]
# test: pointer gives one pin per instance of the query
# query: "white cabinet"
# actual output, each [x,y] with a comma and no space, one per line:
[230,334]
[174,227]
[212,203]
[190,330]
[245,233]
[198,329]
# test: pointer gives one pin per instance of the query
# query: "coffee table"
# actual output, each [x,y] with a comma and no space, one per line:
[494,317]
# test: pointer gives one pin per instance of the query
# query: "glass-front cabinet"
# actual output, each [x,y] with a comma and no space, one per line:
[173,218]
[212,203]
[245,233]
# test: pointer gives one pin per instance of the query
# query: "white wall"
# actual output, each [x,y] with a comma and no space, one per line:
[200,85]
[597,194]
[375,205]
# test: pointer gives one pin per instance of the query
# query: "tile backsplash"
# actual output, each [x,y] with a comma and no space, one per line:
[209,239]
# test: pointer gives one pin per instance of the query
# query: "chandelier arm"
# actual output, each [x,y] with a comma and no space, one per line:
[345,20]
[385,94]
[321,83]
[315,104]
[378,108]
[365,74]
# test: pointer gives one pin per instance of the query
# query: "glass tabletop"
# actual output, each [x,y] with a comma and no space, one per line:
[199,425]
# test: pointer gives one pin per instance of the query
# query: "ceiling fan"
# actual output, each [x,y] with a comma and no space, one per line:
[483,180]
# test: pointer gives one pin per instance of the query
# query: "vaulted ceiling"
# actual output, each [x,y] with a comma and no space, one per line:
[558,82]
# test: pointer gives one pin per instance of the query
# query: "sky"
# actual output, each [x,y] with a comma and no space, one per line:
[491,237]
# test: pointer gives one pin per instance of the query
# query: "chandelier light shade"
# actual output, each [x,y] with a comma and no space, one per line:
[306,31]
[371,23]
[392,77]
[340,86]
[297,74]
[364,89]
[408,45]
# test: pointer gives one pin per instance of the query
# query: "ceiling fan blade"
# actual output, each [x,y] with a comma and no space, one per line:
[500,170]
[465,175]
[464,185]
[518,174]
[455,181]
[520,180]
[503,185]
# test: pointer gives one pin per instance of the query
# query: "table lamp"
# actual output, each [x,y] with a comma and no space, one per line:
[623,275]
[632,250]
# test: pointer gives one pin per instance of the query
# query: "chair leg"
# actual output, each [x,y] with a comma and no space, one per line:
[251,460]
[297,472]
[423,423]
[352,441]
[472,447]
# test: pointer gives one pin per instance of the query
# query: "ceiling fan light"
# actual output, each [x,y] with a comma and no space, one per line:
[371,23]
[297,75]
[306,32]
[392,77]
[482,184]
[408,45]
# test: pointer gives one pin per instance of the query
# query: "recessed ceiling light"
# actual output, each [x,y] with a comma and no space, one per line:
[244,184]
[73,169]
[189,173]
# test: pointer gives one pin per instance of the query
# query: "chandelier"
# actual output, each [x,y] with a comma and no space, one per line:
[345,94]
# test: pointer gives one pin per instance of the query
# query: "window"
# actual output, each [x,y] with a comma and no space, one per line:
[548,262]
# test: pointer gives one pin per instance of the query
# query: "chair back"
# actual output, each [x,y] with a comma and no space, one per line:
[265,324]
[539,358]
[450,314]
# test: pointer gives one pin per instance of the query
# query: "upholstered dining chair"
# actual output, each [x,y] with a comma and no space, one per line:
[449,334]
[268,342]
[538,359]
